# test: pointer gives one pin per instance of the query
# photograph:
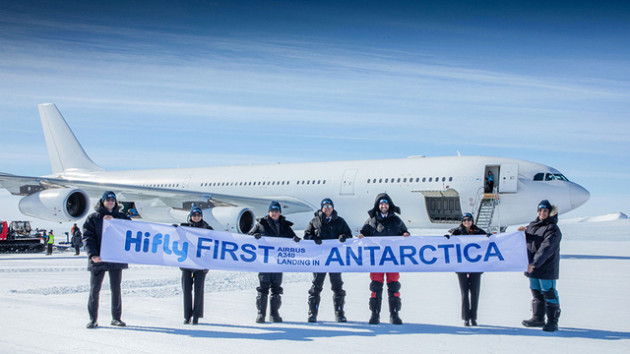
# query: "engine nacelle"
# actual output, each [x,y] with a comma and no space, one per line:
[61,205]
[231,219]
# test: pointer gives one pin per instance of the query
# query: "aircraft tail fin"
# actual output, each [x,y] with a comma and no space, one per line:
[64,150]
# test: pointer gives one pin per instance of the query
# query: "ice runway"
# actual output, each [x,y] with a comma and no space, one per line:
[44,308]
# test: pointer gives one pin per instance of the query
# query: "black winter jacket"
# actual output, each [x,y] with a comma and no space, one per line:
[461,230]
[201,225]
[543,247]
[92,236]
[265,227]
[391,225]
[320,227]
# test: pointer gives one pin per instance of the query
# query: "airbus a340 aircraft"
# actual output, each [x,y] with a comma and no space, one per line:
[432,192]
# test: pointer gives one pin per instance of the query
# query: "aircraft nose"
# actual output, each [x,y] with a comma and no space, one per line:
[579,195]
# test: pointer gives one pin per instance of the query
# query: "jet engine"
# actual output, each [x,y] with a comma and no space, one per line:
[231,219]
[61,205]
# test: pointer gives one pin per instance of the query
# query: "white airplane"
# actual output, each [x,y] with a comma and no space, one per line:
[432,192]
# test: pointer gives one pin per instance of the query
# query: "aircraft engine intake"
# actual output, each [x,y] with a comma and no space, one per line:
[61,205]
[231,219]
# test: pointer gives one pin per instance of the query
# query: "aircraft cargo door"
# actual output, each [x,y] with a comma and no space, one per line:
[347,182]
[508,180]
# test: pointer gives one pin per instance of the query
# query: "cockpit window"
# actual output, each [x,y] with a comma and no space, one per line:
[541,176]
[560,176]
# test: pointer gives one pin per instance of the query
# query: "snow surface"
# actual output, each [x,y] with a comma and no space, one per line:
[44,308]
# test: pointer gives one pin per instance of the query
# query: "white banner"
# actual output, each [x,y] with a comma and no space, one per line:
[126,241]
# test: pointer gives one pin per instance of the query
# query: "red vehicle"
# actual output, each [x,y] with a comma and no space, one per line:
[17,238]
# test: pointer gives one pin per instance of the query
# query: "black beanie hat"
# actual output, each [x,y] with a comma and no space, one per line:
[275,206]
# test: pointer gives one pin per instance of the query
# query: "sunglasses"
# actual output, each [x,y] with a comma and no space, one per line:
[110,199]
[196,214]
[327,206]
[467,219]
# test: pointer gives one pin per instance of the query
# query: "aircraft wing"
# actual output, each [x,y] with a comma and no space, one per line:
[175,198]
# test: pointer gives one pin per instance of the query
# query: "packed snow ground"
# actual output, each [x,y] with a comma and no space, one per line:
[43,308]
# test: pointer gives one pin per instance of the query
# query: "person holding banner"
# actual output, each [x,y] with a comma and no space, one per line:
[194,278]
[272,225]
[107,208]
[469,283]
[543,251]
[383,221]
[327,225]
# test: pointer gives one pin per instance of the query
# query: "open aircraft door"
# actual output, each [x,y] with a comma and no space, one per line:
[347,181]
[508,180]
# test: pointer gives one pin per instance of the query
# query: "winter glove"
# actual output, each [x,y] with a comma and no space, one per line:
[317,240]
[342,238]
[257,235]
[448,237]
[297,239]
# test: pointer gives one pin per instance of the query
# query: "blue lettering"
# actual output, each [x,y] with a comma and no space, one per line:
[388,256]
[372,249]
[166,243]
[183,252]
[250,250]
[404,254]
[357,258]
[447,258]
[157,240]
[467,255]
[421,253]
[201,246]
[458,249]
[266,250]
[334,256]
[224,249]
[129,240]
[145,243]
[493,251]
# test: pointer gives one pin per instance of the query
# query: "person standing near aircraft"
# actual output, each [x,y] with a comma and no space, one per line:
[76,239]
[383,221]
[543,250]
[327,225]
[489,182]
[50,240]
[106,209]
[469,283]
[272,225]
[194,278]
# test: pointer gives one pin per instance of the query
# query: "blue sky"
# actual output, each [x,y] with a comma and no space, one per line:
[199,83]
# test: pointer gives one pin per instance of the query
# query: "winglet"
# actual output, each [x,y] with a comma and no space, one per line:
[64,150]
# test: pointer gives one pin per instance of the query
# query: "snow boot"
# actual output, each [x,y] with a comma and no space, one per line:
[338,302]
[375,307]
[394,308]
[553,314]
[538,311]
[261,305]
[91,324]
[275,303]
[313,308]
[118,323]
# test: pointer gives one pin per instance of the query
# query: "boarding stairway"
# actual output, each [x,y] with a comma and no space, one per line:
[487,208]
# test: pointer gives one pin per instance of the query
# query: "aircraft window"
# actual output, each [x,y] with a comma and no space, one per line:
[288,182]
[318,181]
[368,180]
[308,182]
[380,180]
[404,180]
[549,177]
[273,183]
[437,179]
[450,179]
[398,180]
[430,179]
[313,181]
[443,179]
[561,177]
[424,179]
[201,185]
[324,182]
[539,176]
[417,179]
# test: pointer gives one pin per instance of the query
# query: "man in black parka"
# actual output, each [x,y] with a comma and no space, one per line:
[193,280]
[383,221]
[107,208]
[543,251]
[272,225]
[327,225]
